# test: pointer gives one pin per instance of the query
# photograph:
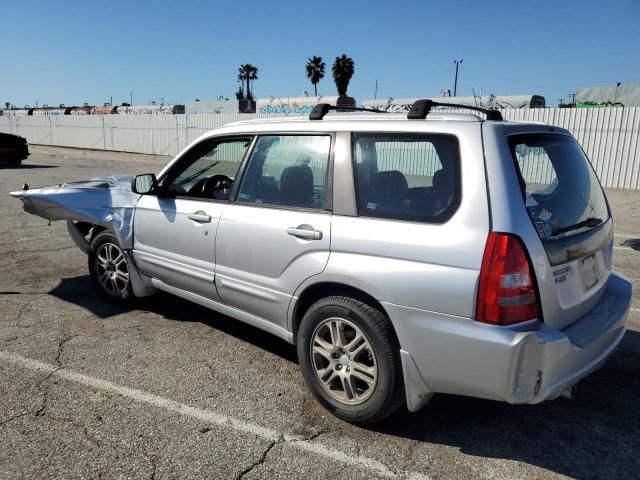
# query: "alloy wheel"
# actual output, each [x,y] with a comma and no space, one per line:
[112,269]
[344,361]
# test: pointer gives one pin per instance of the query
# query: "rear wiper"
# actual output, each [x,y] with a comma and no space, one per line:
[589,222]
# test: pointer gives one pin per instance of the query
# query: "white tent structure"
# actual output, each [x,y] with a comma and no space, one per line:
[485,101]
[628,95]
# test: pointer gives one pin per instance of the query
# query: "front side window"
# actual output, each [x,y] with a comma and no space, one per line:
[407,176]
[287,170]
[208,169]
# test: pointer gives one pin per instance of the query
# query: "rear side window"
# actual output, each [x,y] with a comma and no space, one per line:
[407,176]
[561,191]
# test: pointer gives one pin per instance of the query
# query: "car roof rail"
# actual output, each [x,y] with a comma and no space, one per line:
[321,109]
[421,108]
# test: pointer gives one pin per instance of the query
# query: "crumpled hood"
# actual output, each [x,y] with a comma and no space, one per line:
[106,201]
[112,181]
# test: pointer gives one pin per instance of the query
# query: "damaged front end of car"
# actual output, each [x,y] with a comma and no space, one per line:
[103,203]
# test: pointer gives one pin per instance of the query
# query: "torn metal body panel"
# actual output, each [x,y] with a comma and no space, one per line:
[105,201]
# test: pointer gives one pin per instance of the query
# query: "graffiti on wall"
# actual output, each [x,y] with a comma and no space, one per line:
[286,109]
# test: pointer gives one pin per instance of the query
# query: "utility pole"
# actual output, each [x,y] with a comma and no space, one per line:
[455,82]
[615,95]
[375,95]
[130,98]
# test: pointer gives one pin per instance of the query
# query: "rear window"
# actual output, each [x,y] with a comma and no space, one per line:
[407,176]
[560,189]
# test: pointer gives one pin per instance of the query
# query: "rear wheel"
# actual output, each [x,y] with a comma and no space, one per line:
[350,359]
[109,269]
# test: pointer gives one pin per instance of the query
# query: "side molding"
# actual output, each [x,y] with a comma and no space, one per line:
[236,313]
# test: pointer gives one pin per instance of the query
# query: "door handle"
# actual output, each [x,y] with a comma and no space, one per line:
[200,217]
[305,231]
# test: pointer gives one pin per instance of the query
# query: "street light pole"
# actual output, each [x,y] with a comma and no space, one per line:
[455,82]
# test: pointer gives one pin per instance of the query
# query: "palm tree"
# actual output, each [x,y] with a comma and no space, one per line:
[342,72]
[315,71]
[246,73]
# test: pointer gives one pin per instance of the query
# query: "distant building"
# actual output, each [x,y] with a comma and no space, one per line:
[219,105]
[622,95]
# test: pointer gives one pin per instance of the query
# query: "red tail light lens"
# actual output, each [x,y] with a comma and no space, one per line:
[507,293]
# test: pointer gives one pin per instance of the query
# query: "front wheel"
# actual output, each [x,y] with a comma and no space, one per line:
[350,359]
[109,269]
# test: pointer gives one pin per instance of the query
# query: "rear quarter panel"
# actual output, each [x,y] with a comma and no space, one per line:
[433,267]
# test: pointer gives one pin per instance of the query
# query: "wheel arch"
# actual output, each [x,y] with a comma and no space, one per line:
[417,392]
[314,292]
[96,229]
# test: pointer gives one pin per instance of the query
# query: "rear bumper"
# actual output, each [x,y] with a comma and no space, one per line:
[526,364]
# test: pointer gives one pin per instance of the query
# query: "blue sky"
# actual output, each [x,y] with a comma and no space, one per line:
[87,51]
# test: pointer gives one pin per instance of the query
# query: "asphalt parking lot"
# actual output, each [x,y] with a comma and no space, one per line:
[168,389]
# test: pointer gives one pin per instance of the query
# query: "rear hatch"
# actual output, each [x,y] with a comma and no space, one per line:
[567,207]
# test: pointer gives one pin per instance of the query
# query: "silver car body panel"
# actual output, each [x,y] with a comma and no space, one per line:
[424,276]
[220,307]
[525,364]
[259,265]
[175,242]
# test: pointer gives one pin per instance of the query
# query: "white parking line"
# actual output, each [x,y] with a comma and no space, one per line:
[629,249]
[635,309]
[626,235]
[209,416]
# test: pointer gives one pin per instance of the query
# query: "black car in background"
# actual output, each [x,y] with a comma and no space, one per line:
[13,149]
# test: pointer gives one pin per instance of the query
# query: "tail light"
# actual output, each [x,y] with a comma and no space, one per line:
[507,293]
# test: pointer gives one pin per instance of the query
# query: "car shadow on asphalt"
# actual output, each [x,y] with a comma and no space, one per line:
[593,436]
[79,291]
[26,166]
[632,243]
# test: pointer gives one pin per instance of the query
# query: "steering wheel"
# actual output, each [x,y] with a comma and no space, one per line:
[217,186]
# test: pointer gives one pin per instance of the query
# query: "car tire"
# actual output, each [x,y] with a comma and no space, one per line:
[109,268]
[361,380]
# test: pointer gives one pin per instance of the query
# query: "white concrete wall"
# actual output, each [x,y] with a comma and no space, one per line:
[609,136]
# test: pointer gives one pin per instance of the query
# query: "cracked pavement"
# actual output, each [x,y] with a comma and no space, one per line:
[51,427]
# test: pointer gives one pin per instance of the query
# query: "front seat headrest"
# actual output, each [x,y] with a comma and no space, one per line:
[296,186]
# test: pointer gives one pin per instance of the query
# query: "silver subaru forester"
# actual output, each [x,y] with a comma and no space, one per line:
[403,256]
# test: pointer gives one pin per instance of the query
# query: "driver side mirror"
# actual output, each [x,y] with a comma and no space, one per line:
[144,184]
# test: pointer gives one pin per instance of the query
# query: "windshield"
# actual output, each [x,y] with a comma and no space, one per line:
[560,189]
